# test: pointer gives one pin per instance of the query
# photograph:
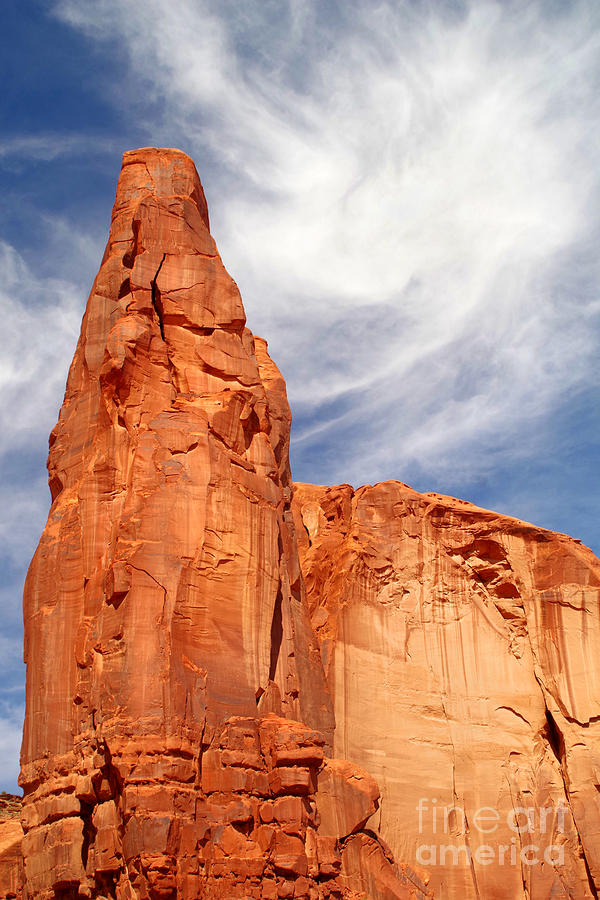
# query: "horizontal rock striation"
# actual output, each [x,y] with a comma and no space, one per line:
[462,653]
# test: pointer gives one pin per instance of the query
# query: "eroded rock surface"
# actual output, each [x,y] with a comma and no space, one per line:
[178,719]
[11,851]
[462,653]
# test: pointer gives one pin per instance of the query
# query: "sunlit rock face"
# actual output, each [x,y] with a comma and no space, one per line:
[179,725]
[462,652]
[242,688]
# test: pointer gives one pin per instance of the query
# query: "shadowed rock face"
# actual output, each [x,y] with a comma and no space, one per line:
[178,719]
[461,649]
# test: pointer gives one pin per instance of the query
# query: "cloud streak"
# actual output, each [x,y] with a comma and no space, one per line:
[41,318]
[48,147]
[11,727]
[40,325]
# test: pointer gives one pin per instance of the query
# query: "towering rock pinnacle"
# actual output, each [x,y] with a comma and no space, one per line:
[177,711]
[168,561]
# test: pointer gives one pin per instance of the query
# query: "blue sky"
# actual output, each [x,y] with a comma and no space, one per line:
[406,193]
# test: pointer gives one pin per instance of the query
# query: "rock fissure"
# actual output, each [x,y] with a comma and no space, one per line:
[156,298]
[146,572]
[556,742]
[276,635]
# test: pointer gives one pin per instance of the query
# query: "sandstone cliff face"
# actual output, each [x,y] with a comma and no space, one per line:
[178,719]
[461,649]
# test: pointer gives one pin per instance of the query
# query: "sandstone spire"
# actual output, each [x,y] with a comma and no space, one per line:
[177,710]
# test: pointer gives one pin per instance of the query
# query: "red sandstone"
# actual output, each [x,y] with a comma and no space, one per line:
[178,721]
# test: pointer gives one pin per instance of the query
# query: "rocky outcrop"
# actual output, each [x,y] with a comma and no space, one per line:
[461,650]
[11,852]
[178,724]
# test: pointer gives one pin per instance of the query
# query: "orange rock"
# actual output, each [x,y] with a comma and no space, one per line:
[174,681]
[328,854]
[11,858]
[346,798]
[288,854]
[462,651]
[366,867]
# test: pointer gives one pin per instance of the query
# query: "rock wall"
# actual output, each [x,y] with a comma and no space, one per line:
[178,721]
[462,653]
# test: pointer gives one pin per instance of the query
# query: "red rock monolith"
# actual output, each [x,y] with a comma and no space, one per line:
[178,716]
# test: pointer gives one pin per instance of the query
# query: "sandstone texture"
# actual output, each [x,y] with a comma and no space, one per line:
[462,653]
[179,726]
[11,852]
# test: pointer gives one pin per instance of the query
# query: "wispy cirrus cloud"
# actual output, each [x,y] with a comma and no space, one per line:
[48,147]
[11,727]
[41,319]
[407,198]
[40,328]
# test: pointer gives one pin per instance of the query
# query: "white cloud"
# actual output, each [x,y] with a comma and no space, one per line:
[407,201]
[48,147]
[11,727]
[40,320]
[25,506]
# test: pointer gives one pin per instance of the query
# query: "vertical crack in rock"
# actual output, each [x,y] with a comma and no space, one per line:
[276,634]
[455,800]
[521,869]
[554,738]
[89,832]
[471,862]
[592,885]
[556,742]
[157,300]
[130,255]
